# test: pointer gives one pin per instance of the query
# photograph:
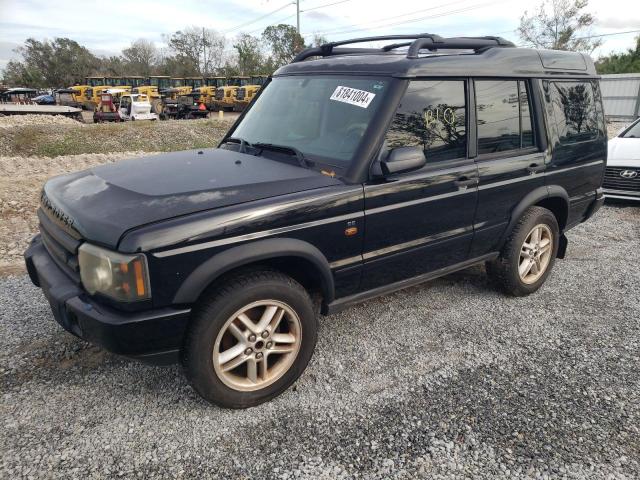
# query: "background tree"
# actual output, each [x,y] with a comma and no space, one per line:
[284,42]
[140,57]
[628,62]
[57,63]
[559,25]
[114,66]
[249,54]
[203,49]
[319,40]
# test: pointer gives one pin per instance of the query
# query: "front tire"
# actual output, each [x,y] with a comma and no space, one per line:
[528,255]
[250,339]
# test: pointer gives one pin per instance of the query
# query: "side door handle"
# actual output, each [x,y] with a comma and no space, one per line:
[536,167]
[464,181]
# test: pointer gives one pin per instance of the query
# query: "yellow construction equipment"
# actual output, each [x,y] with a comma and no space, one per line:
[208,90]
[194,82]
[161,82]
[80,94]
[245,94]
[134,82]
[226,96]
[95,81]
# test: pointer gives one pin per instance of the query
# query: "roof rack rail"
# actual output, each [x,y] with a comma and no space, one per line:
[418,42]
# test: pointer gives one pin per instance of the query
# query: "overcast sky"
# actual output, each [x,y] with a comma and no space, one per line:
[108,27]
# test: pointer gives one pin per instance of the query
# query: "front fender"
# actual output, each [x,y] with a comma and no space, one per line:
[254,252]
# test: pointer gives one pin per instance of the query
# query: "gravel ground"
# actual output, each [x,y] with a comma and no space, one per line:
[34,148]
[445,380]
[21,180]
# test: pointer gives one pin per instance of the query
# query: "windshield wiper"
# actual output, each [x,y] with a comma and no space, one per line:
[302,160]
[243,143]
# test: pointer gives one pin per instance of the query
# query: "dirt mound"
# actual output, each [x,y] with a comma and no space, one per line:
[12,121]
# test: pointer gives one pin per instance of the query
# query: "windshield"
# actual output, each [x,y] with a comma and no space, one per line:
[321,116]
[633,131]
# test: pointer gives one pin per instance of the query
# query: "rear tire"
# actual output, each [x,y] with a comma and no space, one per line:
[249,339]
[528,255]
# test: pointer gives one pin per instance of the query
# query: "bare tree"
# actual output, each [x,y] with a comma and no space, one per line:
[318,40]
[559,25]
[201,47]
[141,57]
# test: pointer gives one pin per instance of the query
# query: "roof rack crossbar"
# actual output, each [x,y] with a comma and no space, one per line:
[418,42]
[462,43]
[329,49]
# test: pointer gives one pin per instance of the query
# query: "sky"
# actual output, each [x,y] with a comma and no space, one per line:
[108,27]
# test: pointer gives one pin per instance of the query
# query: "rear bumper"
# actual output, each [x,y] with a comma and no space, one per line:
[154,336]
[595,205]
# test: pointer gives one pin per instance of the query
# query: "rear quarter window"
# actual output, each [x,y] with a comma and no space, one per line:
[574,110]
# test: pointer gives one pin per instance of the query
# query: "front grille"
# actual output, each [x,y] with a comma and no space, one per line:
[613,179]
[241,93]
[219,94]
[62,247]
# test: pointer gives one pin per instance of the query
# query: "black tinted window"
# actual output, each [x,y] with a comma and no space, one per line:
[432,115]
[503,115]
[574,111]
[525,114]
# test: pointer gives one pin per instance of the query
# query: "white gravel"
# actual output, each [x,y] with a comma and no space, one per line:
[12,121]
[446,380]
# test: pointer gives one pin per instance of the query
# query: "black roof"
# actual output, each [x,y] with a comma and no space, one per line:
[431,55]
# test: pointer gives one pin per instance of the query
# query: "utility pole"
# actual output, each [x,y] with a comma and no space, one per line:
[298,15]
[204,51]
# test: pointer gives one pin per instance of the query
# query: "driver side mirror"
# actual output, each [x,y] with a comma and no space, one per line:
[403,159]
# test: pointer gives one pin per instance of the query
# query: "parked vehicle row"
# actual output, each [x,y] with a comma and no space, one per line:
[215,93]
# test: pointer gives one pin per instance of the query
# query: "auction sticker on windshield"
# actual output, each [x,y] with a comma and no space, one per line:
[352,96]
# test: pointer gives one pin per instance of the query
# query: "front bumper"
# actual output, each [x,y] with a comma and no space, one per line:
[622,194]
[154,336]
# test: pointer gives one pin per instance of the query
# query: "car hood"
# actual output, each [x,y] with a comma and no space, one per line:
[621,149]
[105,202]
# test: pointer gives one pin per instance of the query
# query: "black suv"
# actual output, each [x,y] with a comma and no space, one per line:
[349,176]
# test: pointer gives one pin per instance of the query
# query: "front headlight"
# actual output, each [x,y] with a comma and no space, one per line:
[122,277]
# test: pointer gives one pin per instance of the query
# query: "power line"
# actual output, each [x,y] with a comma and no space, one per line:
[237,27]
[325,5]
[301,11]
[274,23]
[439,15]
[607,34]
[399,16]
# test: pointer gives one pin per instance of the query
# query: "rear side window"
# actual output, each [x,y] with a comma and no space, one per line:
[503,115]
[574,110]
[432,115]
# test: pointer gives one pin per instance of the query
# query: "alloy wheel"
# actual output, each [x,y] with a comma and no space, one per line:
[535,254]
[257,345]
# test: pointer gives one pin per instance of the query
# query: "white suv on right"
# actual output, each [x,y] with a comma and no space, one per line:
[622,177]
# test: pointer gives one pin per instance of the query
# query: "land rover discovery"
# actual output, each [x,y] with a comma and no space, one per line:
[354,172]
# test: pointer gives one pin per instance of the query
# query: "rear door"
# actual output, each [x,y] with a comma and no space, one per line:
[510,163]
[421,221]
[579,139]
